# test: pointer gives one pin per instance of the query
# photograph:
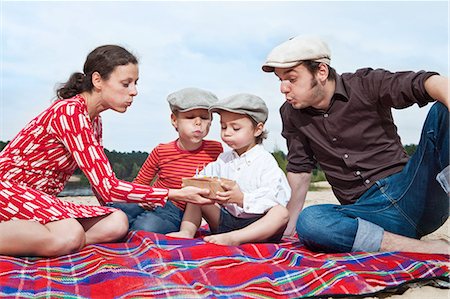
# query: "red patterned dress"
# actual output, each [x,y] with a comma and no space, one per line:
[36,164]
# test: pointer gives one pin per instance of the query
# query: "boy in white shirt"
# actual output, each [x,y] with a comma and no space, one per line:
[254,209]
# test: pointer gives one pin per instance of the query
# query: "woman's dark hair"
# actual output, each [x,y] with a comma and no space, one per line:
[103,60]
[313,67]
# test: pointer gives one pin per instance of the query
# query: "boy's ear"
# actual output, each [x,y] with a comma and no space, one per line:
[259,129]
[173,120]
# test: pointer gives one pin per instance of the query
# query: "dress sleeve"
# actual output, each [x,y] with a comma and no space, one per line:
[149,169]
[74,129]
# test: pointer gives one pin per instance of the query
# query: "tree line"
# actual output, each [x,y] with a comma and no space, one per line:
[126,165]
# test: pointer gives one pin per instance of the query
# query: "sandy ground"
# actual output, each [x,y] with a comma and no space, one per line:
[325,195]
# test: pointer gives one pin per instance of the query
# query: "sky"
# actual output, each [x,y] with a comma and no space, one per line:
[213,45]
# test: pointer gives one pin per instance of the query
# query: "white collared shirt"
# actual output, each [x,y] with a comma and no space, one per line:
[259,177]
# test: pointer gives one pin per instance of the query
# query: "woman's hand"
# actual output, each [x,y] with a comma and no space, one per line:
[232,194]
[191,194]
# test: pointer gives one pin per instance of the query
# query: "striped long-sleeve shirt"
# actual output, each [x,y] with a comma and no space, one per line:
[167,164]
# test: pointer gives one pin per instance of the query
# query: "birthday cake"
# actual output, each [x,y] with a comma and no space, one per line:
[211,183]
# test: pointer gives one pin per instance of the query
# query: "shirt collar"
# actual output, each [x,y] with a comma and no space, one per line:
[250,155]
[339,94]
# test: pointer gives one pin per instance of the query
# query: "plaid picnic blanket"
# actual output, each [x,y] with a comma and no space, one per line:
[155,266]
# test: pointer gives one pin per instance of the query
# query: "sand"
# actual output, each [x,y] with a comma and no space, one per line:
[325,195]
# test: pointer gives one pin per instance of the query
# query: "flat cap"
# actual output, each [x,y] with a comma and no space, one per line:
[190,98]
[243,103]
[295,50]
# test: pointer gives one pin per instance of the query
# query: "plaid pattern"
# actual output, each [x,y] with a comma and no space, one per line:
[155,266]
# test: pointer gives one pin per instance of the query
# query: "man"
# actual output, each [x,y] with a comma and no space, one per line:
[344,123]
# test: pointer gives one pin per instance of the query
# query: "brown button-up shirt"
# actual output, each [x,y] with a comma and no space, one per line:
[355,140]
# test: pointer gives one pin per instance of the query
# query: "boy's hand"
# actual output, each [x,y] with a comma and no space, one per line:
[147,206]
[232,194]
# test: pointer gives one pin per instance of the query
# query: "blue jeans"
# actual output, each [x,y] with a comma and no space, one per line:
[411,203]
[161,220]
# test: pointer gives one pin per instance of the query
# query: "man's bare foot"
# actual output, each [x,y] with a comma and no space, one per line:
[440,246]
[180,234]
[223,239]
[393,242]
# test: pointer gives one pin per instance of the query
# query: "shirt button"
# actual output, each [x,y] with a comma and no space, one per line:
[345,156]
[367,181]
[334,139]
[358,172]
[325,115]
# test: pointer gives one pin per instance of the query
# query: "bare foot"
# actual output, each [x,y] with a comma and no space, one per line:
[180,234]
[393,242]
[441,246]
[223,239]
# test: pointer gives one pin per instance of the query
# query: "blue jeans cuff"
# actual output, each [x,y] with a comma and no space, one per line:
[443,178]
[368,236]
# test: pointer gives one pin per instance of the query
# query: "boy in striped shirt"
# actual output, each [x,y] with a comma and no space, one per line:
[169,162]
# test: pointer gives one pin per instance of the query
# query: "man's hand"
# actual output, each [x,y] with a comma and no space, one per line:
[299,183]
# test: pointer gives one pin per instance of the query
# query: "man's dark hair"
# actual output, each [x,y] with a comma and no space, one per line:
[313,67]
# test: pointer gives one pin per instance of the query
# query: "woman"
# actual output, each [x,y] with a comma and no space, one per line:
[37,163]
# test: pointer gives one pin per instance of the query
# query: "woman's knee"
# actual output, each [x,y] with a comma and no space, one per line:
[122,224]
[56,244]
[118,226]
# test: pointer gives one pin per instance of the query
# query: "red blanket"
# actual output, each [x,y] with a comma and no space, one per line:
[156,266]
